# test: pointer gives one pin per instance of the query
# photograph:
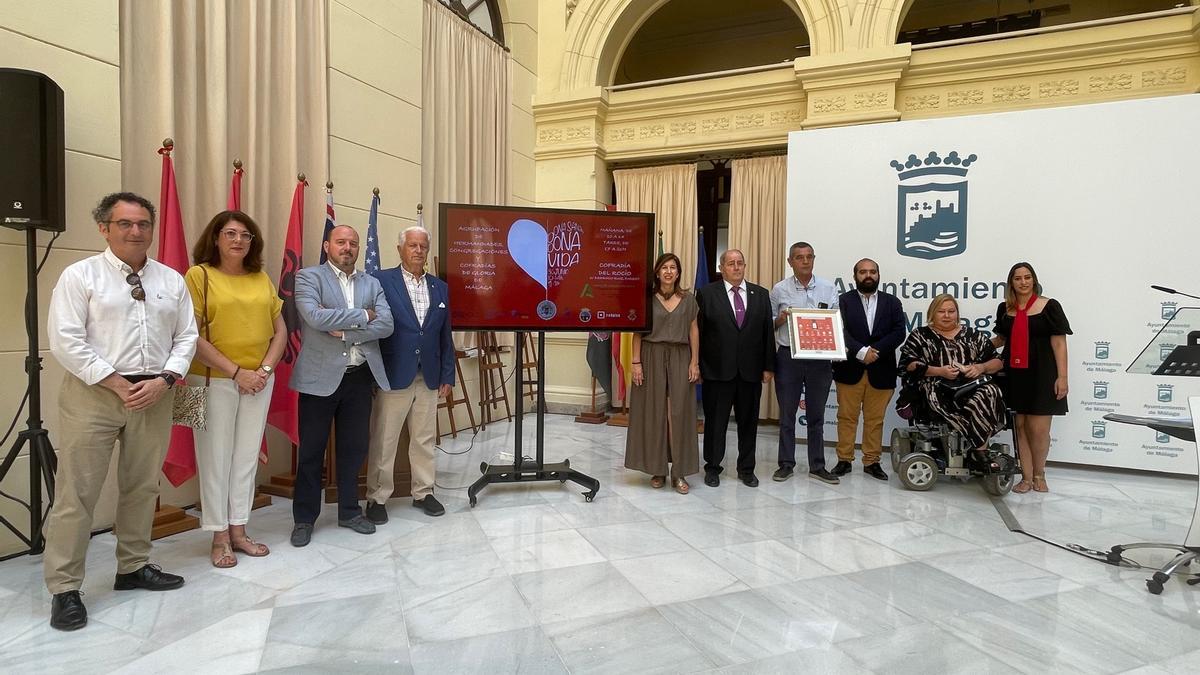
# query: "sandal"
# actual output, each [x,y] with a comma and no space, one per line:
[658,481]
[1022,487]
[1039,484]
[222,556]
[250,547]
[681,486]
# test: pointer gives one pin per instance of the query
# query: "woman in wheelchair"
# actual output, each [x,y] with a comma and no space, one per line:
[939,357]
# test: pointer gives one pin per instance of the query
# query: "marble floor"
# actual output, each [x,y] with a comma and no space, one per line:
[787,578]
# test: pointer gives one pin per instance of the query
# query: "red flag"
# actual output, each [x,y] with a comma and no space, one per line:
[235,188]
[180,463]
[285,401]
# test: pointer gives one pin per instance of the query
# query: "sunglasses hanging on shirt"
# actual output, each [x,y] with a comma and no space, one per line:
[135,280]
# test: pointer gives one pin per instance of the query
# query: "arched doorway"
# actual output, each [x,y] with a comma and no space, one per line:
[689,37]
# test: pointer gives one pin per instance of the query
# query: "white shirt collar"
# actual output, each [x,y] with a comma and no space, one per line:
[812,282]
[412,277]
[125,268]
[729,287]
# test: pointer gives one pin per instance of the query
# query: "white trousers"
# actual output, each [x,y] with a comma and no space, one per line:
[227,451]
[416,405]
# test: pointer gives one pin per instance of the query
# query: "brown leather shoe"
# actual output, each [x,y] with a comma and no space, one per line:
[658,481]
[681,486]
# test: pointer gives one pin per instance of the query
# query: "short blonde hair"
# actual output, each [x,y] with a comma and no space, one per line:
[937,302]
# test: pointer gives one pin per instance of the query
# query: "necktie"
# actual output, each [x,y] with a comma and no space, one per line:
[739,307]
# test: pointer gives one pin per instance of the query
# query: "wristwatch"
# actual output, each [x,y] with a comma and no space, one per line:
[266,369]
[169,378]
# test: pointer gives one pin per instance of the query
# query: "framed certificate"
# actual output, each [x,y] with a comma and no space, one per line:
[816,334]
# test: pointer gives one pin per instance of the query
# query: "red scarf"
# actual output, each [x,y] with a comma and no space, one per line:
[1018,348]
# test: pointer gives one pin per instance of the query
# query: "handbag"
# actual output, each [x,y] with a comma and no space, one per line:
[190,408]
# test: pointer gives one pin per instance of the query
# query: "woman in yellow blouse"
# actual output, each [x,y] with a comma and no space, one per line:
[242,337]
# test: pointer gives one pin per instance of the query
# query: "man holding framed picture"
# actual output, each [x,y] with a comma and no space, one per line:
[794,377]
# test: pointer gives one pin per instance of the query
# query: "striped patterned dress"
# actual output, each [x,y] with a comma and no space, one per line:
[977,417]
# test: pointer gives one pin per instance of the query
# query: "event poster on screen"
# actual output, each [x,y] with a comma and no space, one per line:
[546,269]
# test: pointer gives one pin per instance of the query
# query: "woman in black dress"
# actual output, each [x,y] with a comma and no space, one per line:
[1033,329]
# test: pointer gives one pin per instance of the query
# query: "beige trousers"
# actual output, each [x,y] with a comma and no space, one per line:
[416,405]
[91,421]
[872,403]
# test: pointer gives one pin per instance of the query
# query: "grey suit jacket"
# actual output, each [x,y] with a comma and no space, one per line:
[322,306]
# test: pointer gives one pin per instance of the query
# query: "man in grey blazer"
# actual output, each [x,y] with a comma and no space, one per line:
[343,315]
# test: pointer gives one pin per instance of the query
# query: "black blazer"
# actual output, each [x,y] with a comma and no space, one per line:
[889,333]
[726,351]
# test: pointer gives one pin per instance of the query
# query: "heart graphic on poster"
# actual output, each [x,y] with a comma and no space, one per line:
[528,244]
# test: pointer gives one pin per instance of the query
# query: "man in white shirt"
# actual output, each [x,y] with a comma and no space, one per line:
[123,327]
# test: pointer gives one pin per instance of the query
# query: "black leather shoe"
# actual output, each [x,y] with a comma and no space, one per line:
[782,473]
[749,480]
[842,468]
[875,471]
[430,505]
[301,534]
[824,476]
[712,479]
[150,577]
[376,513]
[359,524]
[67,611]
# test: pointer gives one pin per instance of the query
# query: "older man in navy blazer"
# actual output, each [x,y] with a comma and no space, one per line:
[343,315]
[874,328]
[419,357]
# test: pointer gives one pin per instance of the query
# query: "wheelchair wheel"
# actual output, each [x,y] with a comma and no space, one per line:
[901,445]
[997,485]
[918,471]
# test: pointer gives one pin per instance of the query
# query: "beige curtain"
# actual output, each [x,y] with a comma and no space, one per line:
[228,80]
[757,226]
[466,97]
[669,192]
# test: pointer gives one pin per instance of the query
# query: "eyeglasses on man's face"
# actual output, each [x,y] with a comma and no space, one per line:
[236,235]
[135,280]
[126,225]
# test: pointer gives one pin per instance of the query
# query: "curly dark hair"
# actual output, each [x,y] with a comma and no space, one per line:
[103,211]
[206,251]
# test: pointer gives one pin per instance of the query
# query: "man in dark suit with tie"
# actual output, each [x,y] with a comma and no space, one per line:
[875,327]
[736,357]
[419,358]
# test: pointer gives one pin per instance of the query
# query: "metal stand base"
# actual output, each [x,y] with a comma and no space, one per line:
[510,473]
[42,461]
[537,470]
[1155,583]
[42,465]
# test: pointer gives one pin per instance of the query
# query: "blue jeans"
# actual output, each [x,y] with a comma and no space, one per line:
[794,377]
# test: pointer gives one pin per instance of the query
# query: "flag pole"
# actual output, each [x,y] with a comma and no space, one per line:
[171,519]
[283,411]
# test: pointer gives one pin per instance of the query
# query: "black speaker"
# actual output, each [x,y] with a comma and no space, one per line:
[33,176]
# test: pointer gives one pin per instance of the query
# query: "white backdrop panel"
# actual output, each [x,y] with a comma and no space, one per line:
[1103,200]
